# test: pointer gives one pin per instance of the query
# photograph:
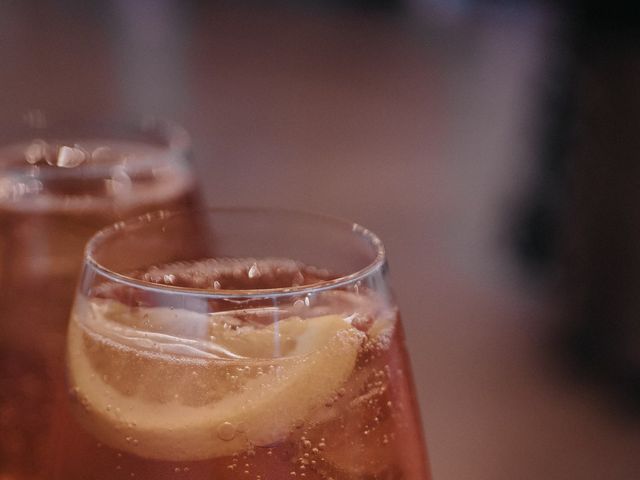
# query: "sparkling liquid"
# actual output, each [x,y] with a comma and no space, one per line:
[315,388]
[45,221]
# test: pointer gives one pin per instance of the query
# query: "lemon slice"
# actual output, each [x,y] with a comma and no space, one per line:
[193,407]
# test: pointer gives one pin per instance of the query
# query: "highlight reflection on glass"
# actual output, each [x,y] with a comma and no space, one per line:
[237,343]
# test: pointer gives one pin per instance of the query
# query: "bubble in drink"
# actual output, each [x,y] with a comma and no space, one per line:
[226,431]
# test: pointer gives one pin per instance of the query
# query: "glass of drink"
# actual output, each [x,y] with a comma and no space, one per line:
[59,184]
[268,348]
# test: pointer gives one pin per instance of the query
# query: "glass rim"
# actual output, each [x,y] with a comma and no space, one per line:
[105,233]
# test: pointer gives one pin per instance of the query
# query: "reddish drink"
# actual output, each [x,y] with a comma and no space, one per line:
[47,213]
[235,367]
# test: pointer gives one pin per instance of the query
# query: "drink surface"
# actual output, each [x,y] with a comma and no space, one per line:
[316,387]
[45,220]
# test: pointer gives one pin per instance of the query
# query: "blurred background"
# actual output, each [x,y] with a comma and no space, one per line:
[492,145]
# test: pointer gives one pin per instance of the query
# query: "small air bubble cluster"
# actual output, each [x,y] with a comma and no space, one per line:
[236,274]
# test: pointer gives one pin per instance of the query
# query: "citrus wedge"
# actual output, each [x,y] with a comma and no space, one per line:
[144,397]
